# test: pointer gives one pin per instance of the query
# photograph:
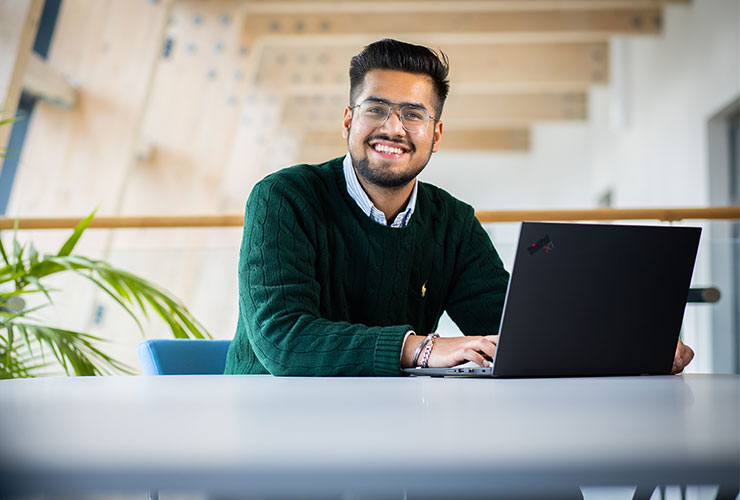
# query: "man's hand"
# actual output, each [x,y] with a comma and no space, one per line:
[684,355]
[451,351]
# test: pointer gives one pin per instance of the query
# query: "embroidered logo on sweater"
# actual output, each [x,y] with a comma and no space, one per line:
[543,242]
[424,289]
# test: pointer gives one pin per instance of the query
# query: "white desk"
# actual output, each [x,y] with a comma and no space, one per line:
[285,436]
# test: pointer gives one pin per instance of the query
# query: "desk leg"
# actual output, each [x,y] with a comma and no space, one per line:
[644,492]
[728,493]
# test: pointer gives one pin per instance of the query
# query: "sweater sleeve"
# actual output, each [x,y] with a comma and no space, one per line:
[476,299]
[279,297]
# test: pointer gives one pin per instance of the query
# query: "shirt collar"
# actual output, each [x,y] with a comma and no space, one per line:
[356,191]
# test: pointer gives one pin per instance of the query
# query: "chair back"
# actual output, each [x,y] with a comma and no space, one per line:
[182,356]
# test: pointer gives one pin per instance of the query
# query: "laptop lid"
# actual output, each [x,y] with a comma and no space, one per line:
[595,299]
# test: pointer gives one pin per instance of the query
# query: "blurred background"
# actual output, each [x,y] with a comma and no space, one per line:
[163,107]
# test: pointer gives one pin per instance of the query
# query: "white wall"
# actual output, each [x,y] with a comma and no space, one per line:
[675,83]
[550,175]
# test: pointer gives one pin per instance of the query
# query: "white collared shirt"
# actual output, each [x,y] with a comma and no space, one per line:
[363,201]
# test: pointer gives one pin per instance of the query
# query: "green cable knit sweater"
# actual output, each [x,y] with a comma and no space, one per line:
[325,290]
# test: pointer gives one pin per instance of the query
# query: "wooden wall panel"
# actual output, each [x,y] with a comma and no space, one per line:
[262,144]
[76,160]
[197,93]
[294,68]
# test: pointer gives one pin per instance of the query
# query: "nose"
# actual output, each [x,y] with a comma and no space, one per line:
[393,123]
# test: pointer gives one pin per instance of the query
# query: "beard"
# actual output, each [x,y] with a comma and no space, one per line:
[380,176]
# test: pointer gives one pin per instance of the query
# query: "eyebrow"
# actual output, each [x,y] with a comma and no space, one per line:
[386,101]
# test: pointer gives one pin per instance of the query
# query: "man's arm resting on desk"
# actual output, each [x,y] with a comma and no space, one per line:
[451,351]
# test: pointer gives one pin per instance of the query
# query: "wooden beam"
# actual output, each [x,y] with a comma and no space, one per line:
[493,139]
[19,21]
[476,110]
[320,145]
[278,6]
[46,83]
[300,68]
[379,22]
[461,111]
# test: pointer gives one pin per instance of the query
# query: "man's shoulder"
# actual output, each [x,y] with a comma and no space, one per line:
[302,177]
[443,204]
[301,189]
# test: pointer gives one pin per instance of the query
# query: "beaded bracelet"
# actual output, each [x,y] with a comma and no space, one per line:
[428,349]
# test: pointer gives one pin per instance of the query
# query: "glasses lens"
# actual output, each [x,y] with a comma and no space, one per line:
[374,113]
[414,119]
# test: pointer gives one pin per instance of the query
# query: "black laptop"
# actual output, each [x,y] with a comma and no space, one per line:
[591,300]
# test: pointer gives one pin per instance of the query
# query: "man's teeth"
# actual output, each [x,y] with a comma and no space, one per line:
[387,149]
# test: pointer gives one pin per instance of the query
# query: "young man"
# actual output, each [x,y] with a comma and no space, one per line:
[346,267]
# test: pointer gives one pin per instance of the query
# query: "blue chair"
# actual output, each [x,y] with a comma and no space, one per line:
[182,356]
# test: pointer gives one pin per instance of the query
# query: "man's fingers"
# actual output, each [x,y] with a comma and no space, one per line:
[471,354]
[492,338]
[688,354]
[453,351]
[487,348]
[684,355]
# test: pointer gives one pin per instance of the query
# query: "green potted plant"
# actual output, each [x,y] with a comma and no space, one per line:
[29,347]
[24,339]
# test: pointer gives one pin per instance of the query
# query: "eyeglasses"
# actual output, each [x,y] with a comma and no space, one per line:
[414,119]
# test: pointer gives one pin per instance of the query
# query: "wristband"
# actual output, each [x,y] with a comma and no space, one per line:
[428,349]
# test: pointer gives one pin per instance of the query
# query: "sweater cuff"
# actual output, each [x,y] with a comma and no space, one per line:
[388,350]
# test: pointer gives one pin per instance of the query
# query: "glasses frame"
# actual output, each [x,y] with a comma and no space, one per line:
[399,110]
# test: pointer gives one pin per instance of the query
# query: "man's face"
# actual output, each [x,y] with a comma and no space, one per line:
[369,146]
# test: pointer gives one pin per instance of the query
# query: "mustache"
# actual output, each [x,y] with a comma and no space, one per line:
[383,137]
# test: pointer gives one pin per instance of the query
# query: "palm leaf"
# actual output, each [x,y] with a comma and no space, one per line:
[76,265]
[4,254]
[72,241]
[76,350]
[143,292]
[6,122]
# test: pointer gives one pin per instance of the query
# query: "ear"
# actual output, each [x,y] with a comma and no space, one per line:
[346,122]
[437,136]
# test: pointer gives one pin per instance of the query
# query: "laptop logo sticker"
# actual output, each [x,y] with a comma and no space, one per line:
[544,242]
[424,289]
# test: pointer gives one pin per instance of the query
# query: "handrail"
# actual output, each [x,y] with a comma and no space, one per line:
[485,216]
[661,214]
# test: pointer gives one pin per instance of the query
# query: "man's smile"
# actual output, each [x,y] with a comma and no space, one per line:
[389,149]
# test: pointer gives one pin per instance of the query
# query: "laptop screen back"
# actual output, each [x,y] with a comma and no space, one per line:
[596,299]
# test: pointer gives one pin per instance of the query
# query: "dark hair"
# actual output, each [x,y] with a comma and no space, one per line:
[401,56]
